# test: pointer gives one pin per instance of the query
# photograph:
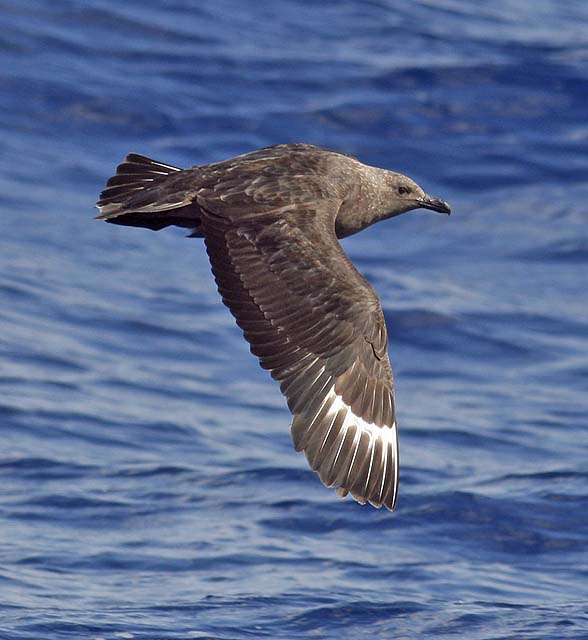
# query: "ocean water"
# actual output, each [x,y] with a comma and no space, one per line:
[149,489]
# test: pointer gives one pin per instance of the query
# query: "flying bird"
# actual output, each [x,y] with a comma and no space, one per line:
[271,220]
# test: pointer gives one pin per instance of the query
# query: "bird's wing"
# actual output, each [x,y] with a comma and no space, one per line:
[318,326]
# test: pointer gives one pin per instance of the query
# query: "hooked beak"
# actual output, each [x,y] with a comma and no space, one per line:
[434,204]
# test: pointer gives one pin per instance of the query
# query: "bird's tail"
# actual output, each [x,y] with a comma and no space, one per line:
[150,194]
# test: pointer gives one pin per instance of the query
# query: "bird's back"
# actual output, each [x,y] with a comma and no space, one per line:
[154,195]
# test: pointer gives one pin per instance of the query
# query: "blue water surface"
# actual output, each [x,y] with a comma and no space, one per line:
[149,488]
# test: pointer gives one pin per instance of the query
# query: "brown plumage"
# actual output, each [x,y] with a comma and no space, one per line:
[270,220]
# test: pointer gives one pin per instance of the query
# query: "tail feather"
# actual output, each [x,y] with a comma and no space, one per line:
[147,193]
[135,163]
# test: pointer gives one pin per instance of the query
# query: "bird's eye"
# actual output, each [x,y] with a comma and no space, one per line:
[403,190]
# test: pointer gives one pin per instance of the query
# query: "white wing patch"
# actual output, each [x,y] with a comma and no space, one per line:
[347,451]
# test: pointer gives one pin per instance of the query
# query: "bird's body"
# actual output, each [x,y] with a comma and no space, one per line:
[270,220]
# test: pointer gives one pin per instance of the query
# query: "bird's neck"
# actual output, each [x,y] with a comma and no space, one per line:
[365,201]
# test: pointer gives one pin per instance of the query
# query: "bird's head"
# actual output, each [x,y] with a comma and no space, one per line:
[379,194]
[404,194]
